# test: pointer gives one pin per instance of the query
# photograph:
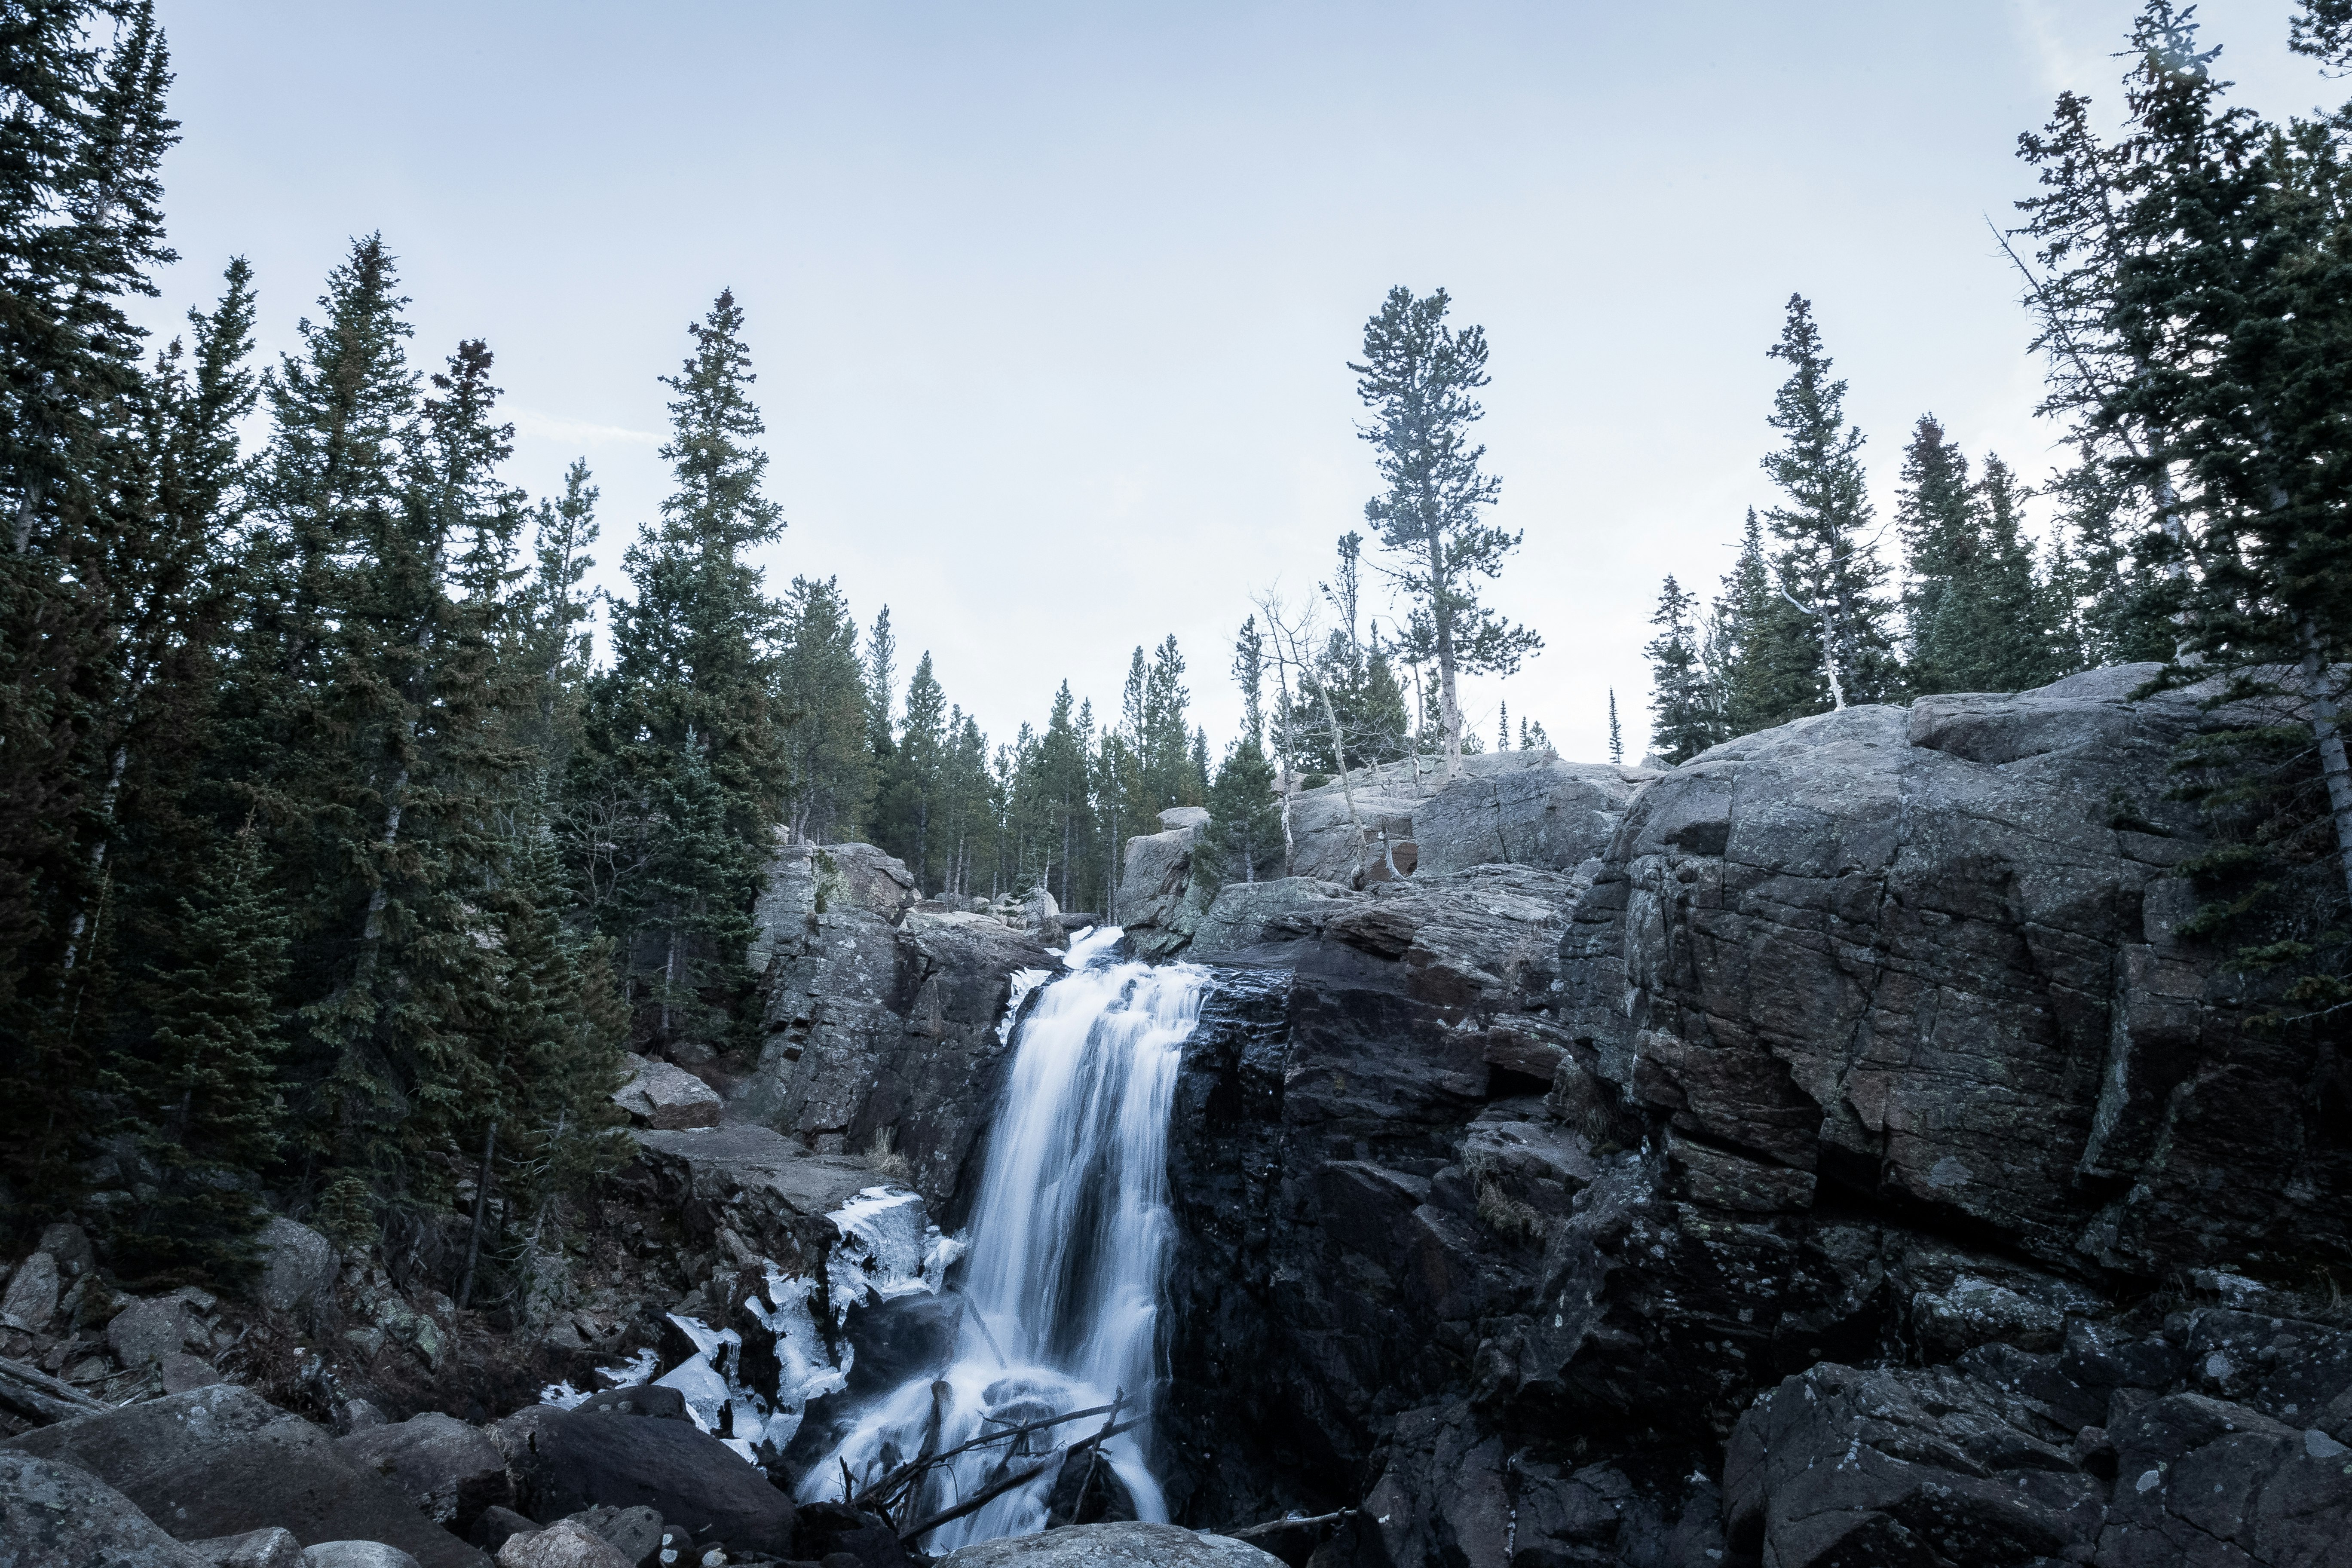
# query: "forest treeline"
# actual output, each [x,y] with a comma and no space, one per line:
[335,872]
[336,875]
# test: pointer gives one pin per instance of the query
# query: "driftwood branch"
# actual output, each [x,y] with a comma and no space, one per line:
[29,1392]
[889,1483]
[987,1495]
[1255,1533]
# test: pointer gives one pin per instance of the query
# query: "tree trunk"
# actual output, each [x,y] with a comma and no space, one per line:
[1347,792]
[481,1206]
[2325,730]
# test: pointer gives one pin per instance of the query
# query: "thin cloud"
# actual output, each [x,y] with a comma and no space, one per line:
[578,432]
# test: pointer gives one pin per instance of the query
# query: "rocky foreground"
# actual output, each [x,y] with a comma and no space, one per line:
[1827,1153]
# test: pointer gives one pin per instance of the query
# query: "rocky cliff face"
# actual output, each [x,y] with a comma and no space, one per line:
[884,1016]
[1852,1166]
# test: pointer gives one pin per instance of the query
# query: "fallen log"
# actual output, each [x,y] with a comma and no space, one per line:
[29,1392]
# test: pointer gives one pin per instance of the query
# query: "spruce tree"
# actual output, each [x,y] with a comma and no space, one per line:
[684,720]
[1616,734]
[1828,562]
[828,748]
[1762,655]
[1684,721]
[1242,841]
[209,1113]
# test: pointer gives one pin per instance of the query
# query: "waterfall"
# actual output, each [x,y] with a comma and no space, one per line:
[1069,1245]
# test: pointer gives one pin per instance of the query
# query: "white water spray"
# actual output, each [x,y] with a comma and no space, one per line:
[1070,1239]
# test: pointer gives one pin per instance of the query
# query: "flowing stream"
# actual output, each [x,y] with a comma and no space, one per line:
[1069,1245]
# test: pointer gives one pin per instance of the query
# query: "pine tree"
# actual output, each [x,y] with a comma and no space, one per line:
[1503,723]
[1616,734]
[1978,620]
[881,673]
[1418,376]
[1827,565]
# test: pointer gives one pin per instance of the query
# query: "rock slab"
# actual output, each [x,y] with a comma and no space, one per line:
[53,1514]
[1124,1545]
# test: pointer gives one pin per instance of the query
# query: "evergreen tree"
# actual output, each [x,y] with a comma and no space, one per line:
[1978,619]
[917,776]
[1684,719]
[552,637]
[1418,376]
[1762,655]
[881,674]
[1242,841]
[208,1111]
[685,721]
[826,713]
[1616,734]
[1827,565]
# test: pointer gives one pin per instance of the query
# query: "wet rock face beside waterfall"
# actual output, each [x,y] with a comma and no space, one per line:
[1878,1057]
[882,1015]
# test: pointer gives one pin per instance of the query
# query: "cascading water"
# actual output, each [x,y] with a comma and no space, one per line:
[1069,1242]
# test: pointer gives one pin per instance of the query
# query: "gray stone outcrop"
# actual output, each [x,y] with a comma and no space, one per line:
[882,1018]
[54,1513]
[1867,1053]
[222,1461]
[665,1095]
[298,1264]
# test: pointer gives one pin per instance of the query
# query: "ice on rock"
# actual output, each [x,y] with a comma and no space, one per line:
[808,1371]
[888,1247]
[1025,981]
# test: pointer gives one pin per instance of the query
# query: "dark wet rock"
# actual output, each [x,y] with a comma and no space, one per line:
[2200,1483]
[1112,1546]
[53,1512]
[298,1264]
[831,1532]
[1903,1465]
[496,1526]
[766,1189]
[221,1461]
[448,1469]
[1868,1048]
[572,1462]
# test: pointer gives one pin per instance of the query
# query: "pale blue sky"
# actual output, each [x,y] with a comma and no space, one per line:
[1051,303]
